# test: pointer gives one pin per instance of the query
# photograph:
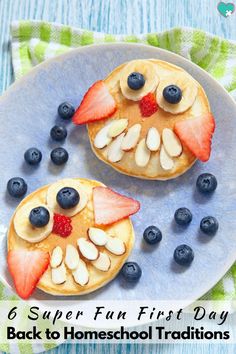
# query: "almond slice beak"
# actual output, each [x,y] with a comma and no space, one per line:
[59,274]
[153,139]
[115,246]
[81,274]
[166,161]
[102,139]
[131,138]
[72,257]
[171,143]
[103,262]
[117,127]
[114,151]
[56,257]
[87,249]
[97,236]
[142,154]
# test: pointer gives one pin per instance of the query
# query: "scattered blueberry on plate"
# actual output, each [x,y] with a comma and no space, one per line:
[66,110]
[172,94]
[68,197]
[183,255]
[152,235]
[131,271]
[39,217]
[209,225]
[183,216]
[16,187]
[33,156]
[206,183]
[59,156]
[58,133]
[135,81]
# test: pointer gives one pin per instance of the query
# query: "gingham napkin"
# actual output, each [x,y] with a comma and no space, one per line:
[36,41]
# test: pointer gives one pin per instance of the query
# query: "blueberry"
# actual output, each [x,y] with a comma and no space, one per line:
[206,183]
[135,81]
[183,255]
[131,271]
[209,225]
[59,156]
[39,217]
[16,187]
[172,94]
[58,133]
[183,216]
[66,110]
[68,198]
[33,156]
[152,235]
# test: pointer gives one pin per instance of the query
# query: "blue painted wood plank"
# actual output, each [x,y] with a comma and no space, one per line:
[112,16]
[118,16]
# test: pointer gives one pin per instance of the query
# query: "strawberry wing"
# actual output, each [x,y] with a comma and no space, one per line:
[196,135]
[26,268]
[110,206]
[97,104]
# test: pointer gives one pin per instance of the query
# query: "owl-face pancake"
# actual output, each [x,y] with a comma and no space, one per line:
[154,130]
[75,252]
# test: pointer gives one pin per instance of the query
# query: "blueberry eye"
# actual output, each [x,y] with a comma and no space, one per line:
[135,81]
[39,217]
[68,198]
[172,94]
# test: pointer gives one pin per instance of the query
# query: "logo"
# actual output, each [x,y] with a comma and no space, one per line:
[226,9]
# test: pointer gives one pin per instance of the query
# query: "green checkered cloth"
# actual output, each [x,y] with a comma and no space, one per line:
[36,41]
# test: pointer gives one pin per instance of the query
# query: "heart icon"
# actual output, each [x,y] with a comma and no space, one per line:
[226,9]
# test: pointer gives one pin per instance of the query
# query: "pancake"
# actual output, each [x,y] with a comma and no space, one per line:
[156,165]
[81,222]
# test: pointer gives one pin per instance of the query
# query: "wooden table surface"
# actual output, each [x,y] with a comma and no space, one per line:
[118,17]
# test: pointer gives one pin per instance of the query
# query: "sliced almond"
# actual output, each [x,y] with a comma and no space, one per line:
[103,262]
[87,249]
[114,152]
[97,236]
[56,257]
[166,161]
[102,139]
[115,246]
[153,139]
[171,143]
[59,274]
[81,274]
[142,154]
[117,127]
[131,138]
[72,257]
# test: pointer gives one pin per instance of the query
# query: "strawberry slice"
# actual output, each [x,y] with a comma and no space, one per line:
[26,268]
[97,104]
[196,134]
[110,206]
